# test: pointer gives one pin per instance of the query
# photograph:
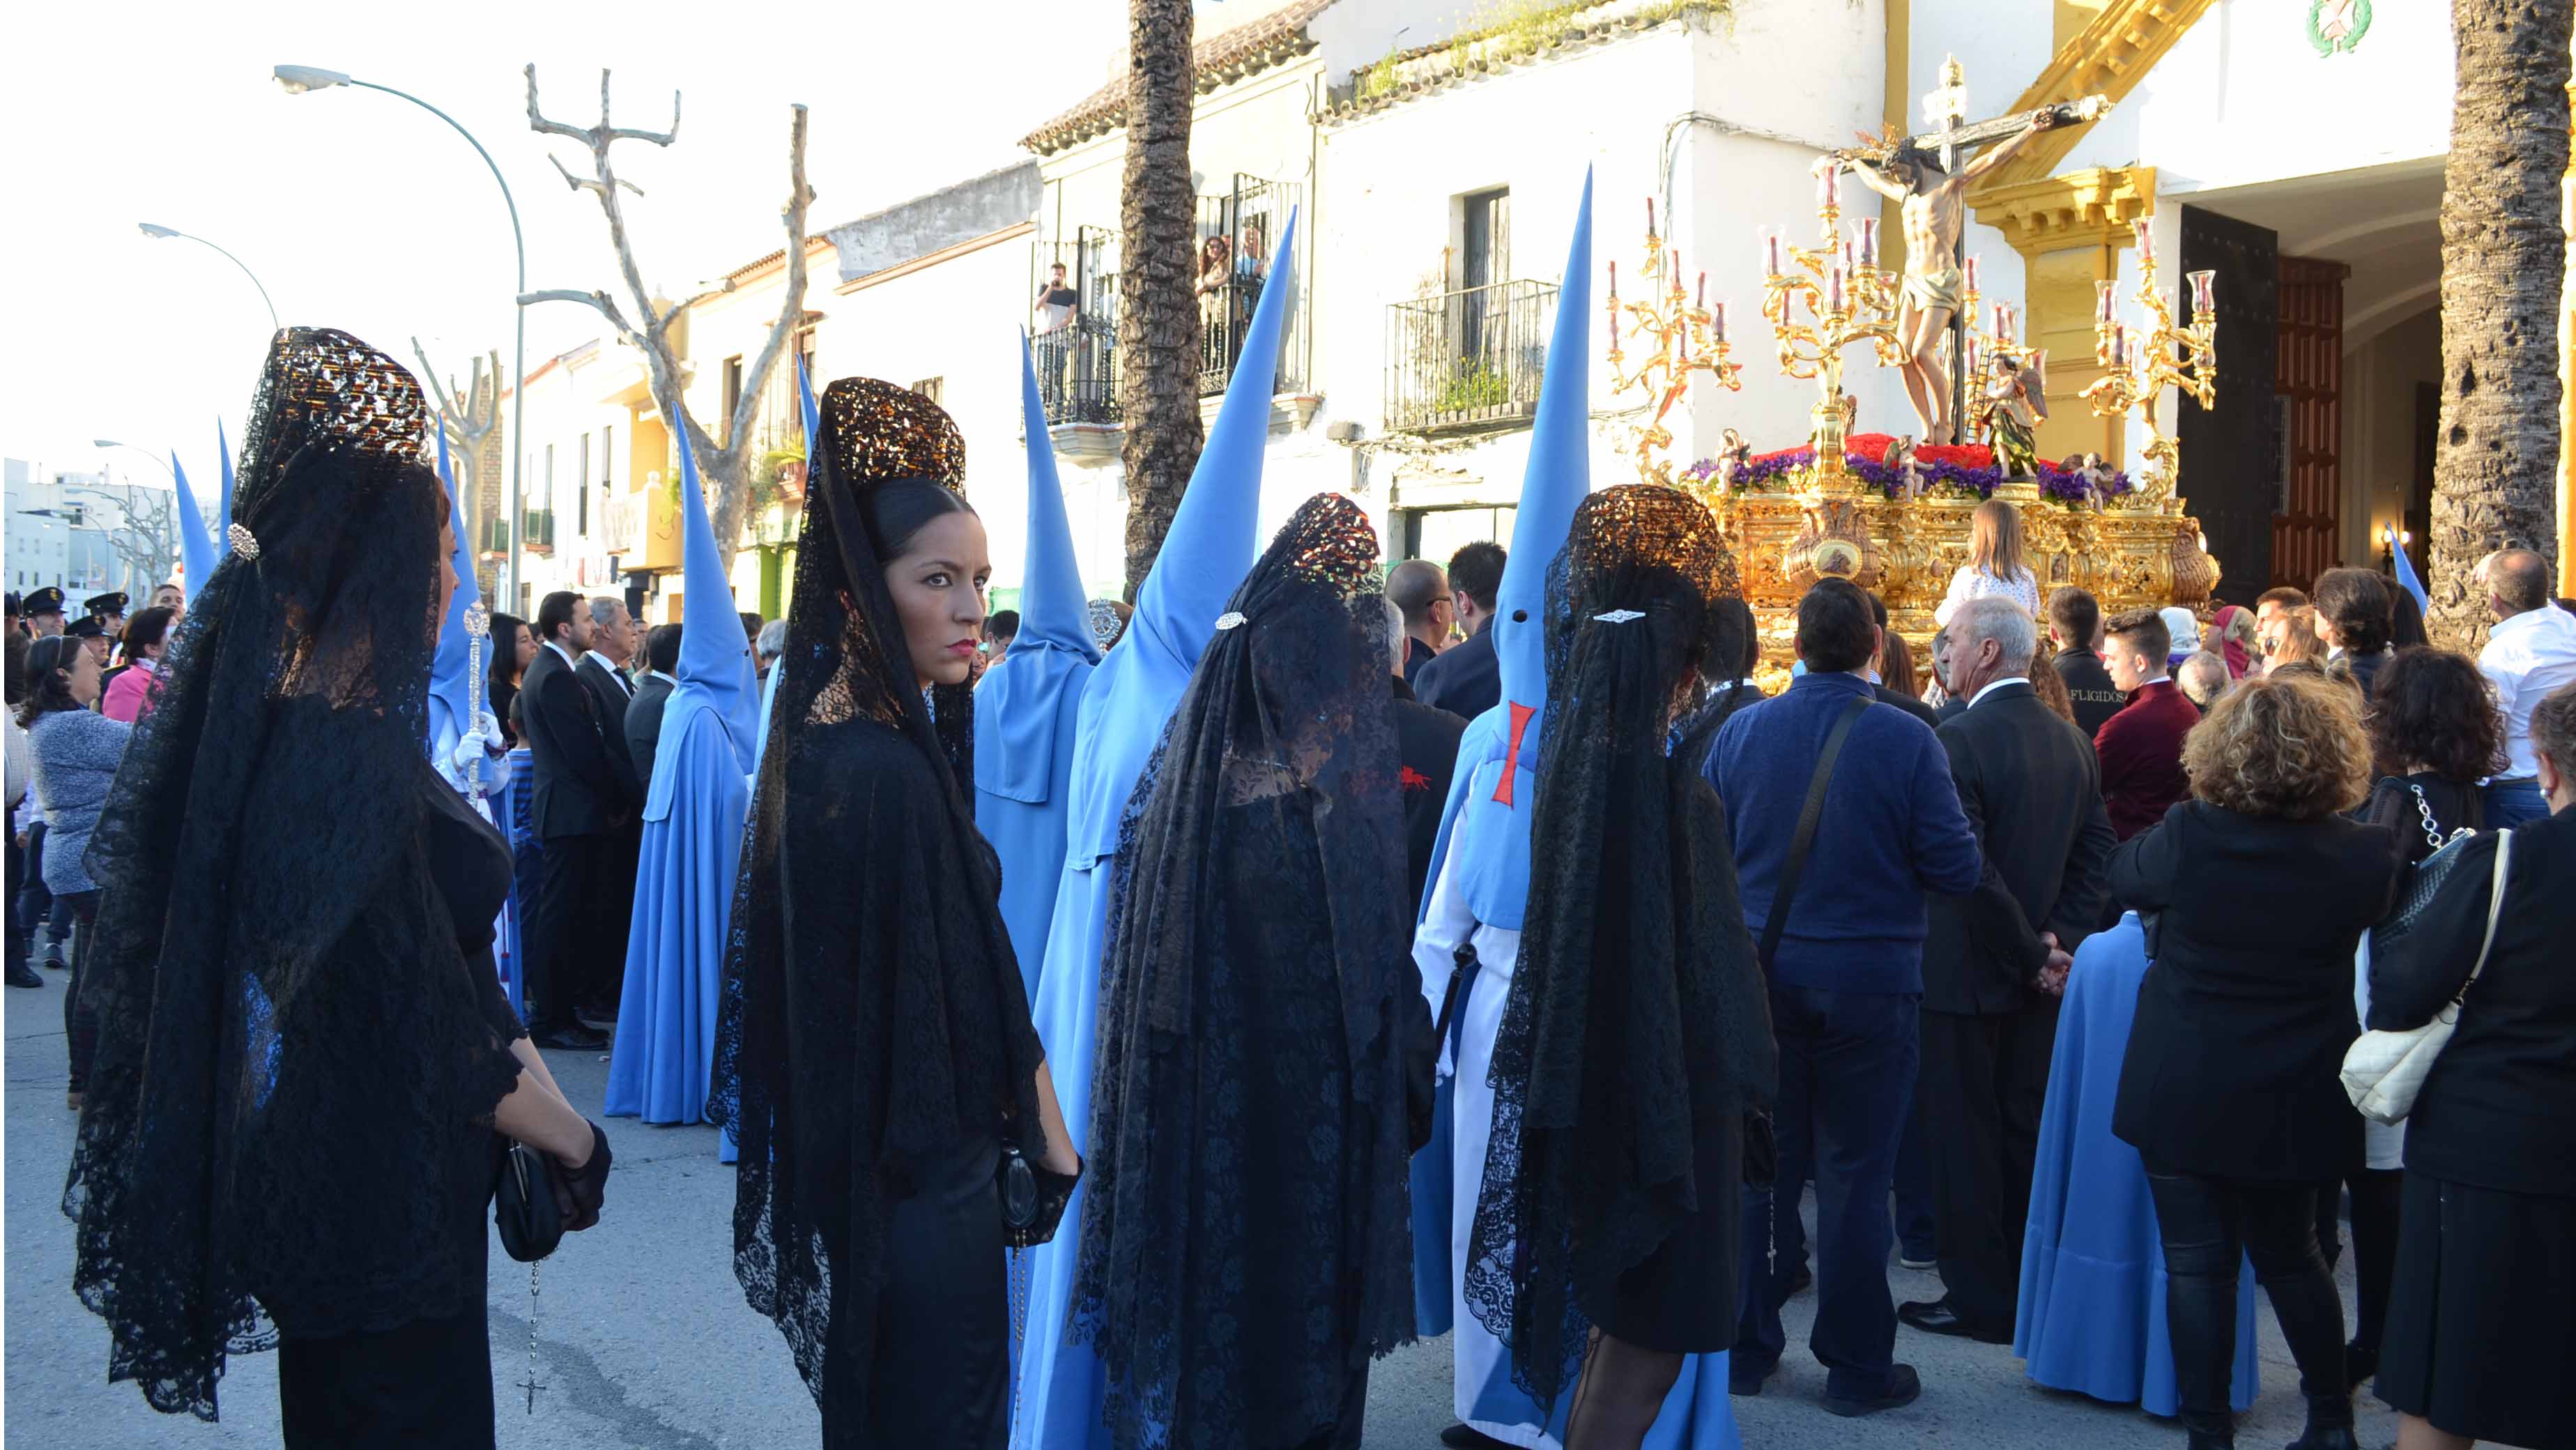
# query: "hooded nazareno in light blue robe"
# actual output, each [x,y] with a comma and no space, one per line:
[1125,706]
[693,816]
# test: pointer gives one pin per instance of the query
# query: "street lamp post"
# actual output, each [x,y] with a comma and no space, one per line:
[150,230]
[146,452]
[297,79]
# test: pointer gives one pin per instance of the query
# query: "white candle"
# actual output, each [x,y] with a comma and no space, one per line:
[1834,288]
[1851,255]
[1869,243]
[1829,186]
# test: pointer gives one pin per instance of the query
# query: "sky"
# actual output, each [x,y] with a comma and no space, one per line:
[363,212]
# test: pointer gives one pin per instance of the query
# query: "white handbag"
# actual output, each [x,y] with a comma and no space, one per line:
[2382,1071]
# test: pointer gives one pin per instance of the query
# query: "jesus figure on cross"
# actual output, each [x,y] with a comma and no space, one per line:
[1935,210]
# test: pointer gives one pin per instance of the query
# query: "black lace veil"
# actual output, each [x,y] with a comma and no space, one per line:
[872,1014]
[1635,1011]
[276,1033]
[1256,963]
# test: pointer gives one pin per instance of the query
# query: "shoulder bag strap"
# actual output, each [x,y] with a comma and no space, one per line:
[2495,909]
[1805,840]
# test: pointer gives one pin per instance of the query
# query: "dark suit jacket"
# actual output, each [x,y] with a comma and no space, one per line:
[644,726]
[2235,1058]
[1426,747]
[1466,681]
[2089,687]
[2362,670]
[1950,709]
[2141,753]
[1909,704]
[579,790]
[2496,1109]
[1416,655]
[612,697]
[2031,789]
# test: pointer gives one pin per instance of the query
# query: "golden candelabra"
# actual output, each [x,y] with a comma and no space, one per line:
[1681,335]
[1849,299]
[2137,369]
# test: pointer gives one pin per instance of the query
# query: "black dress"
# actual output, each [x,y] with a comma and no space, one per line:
[427,1383]
[2481,1328]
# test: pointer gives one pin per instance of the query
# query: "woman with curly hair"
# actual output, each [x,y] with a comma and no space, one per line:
[2230,1089]
[2434,734]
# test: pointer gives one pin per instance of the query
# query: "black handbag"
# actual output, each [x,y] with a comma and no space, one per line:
[523,1205]
[1033,1199]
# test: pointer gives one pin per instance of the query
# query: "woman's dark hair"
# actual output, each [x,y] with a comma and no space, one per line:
[502,667]
[2355,602]
[898,509]
[2406,620]
[1896,667]
[2431,707]
[147,629]
[48,685]
[1738,650]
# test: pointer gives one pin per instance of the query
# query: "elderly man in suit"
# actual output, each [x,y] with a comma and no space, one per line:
[644,716]
[1995,962]
[579,806]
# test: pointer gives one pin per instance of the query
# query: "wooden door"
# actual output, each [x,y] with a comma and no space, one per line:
[2307,532]
[2230,480]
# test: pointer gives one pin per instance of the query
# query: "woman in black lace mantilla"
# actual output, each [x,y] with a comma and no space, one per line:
[303,1047]
[1636,1034]
[874,1055]
[1247,1250]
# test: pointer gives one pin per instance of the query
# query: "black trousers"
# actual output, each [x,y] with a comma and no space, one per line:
[80,1017]
[2209,1226]
[567,954]
[2376,1193]
[34,903]
[1977,1105]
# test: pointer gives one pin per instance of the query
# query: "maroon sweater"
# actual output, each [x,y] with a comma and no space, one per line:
[2141,753]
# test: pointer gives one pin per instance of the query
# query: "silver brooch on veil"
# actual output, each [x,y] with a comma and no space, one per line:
[243,542]
[1229,619]
[1620,616]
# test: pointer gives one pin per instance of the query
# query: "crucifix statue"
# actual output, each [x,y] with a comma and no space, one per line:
[1924,176]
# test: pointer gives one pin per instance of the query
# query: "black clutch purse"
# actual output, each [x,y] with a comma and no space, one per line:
[1033,1200]
[523,1205]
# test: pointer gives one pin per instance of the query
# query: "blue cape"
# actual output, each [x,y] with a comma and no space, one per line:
[1029,705]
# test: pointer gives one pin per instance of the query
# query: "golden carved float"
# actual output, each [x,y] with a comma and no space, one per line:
[1892,517]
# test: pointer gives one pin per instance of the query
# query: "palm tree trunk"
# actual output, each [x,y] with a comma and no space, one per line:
[2504,256]
[1158,315]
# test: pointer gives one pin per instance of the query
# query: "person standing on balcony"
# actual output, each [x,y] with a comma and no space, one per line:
[1216,268]
[1058,304]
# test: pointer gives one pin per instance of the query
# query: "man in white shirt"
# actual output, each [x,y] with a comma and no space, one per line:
[2530,652]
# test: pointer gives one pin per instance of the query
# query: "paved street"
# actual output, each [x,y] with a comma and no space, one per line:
[643,1340]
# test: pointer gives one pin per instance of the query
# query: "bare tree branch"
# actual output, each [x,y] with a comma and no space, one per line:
[728,467]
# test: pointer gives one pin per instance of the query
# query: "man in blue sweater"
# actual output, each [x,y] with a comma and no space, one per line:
[1846,981]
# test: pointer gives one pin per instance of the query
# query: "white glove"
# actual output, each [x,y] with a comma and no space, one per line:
[476,745]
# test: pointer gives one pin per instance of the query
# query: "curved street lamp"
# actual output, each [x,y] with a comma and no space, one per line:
[297,79]
[146,452]
[150,230]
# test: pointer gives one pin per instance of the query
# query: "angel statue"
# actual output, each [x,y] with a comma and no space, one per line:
[2010,407]
[2096,475]
[1732,459]
[1900,456]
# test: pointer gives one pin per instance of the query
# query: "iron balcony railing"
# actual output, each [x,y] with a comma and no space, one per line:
[1078,371]
[1469,359]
